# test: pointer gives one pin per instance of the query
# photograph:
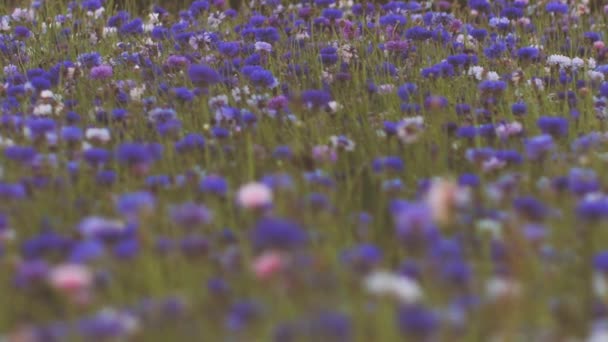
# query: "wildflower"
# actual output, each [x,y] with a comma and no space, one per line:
[72,279]
[190,215]
[537,147]
[410,129]
[203,75]
[556,7]
[254,196]
[268,264]
[443,197]
[101,72]
[555,126]
[406,290]
[280,234]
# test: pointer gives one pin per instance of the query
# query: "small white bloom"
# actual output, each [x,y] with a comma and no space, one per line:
[595,75]
[559,60]
[98,134]
[476,71]
[578,62]
[386,283]
[493,76]
[500,287]
[43,109]
[263,46]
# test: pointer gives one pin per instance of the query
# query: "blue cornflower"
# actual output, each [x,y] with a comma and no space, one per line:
[556,7]
[418,33]
[553,125]
[203,75]
[278,233]
[133,27]
[539,146]
[527,53]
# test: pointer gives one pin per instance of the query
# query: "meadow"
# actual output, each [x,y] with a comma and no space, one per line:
[303,171]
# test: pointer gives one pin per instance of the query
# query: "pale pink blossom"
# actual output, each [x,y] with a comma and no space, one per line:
[599,45]
[508,129]
[443,197]
[254,196]
[70,277]
[268,264]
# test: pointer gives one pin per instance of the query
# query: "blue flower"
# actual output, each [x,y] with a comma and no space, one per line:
[214,184]
[203,75]
[132,204]
[136,26]
[332,13]
[527,53]
[418,33]
[277,233]
[519,108]
[392,20]
[417,321]
[553,125]
[537,147]
[531,208]
[556,7]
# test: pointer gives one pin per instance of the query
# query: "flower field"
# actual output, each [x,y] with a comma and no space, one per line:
[304,171]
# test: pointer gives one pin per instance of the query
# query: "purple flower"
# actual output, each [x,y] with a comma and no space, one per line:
[22,32]
[134,27]
[315,98]
[539,146]
[417,321]
[531,208]
[277,233]
[556,7]
[203,75]
[189,215]
[134,203]
[553,125]
[214,184]
[527,53]
[101,72]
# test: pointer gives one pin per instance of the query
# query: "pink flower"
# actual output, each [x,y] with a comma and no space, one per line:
[70,278]
[443,197]
[254,196]
[268,264]
[599,45]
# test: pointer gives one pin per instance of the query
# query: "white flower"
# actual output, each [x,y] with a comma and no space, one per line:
[23,14]
[501,287]
[99,134]
[386,283]
[578,62]
[263,46]
[137,92]
[5,23]
[591,62]
[476,71]
[43,109]
[409,129]
[559,60]
[493,76]
[334,106]
[595,75]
